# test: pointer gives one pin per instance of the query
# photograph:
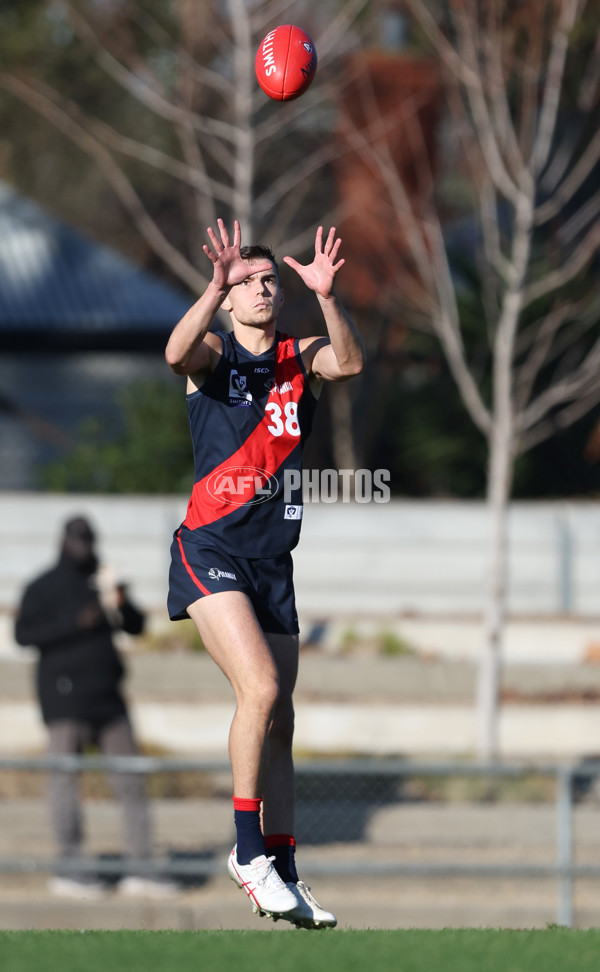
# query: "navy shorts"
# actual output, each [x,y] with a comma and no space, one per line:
[198,570]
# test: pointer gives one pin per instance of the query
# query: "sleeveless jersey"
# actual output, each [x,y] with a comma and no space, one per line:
[248,423]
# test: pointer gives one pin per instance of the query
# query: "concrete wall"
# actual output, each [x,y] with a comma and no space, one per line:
[355,560]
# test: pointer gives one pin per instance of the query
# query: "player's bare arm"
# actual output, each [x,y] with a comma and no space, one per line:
[192,347]
[341,354]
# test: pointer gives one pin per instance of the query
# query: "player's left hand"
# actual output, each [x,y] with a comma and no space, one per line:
[320,274]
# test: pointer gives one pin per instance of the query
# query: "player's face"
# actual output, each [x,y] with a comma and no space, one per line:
[257,300]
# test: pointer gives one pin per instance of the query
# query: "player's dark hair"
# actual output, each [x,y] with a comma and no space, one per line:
[259,251]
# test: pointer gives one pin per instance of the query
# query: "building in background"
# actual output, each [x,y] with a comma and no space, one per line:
[78,322]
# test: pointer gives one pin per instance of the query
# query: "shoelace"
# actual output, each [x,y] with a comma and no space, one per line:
[268,873]
[308,897]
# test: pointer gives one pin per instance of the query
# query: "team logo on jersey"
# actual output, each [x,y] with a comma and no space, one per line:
[293,512]
[242,485]
[238,392]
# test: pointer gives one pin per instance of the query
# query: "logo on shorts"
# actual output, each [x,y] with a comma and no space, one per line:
[216,574]
[293,512]
[241,485]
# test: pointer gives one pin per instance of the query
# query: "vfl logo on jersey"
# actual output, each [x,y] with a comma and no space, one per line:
[293,512]
[241,485]
[215,574]
[238,391]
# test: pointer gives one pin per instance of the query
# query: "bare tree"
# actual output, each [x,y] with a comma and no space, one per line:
[529,154]
[225,147]
[221,128]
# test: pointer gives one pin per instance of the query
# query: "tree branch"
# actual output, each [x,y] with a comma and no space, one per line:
[451,340]
[590,81]
[183,171]
[492,47]
[328,43]
[580,381]
[373,147]
[562,420]
[139,89]
[218,83]
[291,177]
[204,198]
[526,375]
[577,261]
[573,181]
[426,244]
[464,63]
[553,84]
[70,127]
[576,223]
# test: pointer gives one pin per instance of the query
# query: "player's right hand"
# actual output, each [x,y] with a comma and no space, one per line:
[228,267]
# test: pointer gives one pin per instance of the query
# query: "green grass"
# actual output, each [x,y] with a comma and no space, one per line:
[450,950]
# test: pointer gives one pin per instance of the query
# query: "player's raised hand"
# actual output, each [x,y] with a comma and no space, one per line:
[320,274]
[228,267]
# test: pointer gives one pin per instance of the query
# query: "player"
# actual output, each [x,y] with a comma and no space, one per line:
[251,396]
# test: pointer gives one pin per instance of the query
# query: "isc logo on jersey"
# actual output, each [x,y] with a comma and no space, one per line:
[241,485]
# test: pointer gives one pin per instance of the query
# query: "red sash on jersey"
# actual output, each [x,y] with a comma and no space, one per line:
[262,450]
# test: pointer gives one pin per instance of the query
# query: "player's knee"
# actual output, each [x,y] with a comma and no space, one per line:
[264,696]
[282,726]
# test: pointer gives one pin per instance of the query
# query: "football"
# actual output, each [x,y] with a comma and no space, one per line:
[286,62]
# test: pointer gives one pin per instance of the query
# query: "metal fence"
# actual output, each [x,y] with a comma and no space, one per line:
[336,798]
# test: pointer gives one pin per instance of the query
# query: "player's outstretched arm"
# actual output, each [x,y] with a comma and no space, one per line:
[189,347]
[343,354]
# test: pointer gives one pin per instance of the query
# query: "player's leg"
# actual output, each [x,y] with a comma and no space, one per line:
[279,791]
[275,606]
[231,634]
[227,625]
[209,586]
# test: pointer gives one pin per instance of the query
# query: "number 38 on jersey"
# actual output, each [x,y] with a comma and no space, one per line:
[283,419]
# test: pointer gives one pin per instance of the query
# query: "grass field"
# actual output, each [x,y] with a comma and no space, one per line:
[460,950]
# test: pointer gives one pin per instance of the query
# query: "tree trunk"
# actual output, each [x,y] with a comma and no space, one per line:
[244,149]
[488,689]
[342,434]
[500,475]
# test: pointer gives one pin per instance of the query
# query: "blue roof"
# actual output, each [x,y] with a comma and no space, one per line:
[59,285]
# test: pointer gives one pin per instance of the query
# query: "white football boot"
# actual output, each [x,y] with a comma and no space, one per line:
[261,882]
[308,913]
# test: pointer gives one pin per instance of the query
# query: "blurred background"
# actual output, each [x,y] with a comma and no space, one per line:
[456,149]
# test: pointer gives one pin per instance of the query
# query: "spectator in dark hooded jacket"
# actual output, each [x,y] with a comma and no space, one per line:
[70,616]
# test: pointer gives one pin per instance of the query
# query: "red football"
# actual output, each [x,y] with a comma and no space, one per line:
[286,62]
